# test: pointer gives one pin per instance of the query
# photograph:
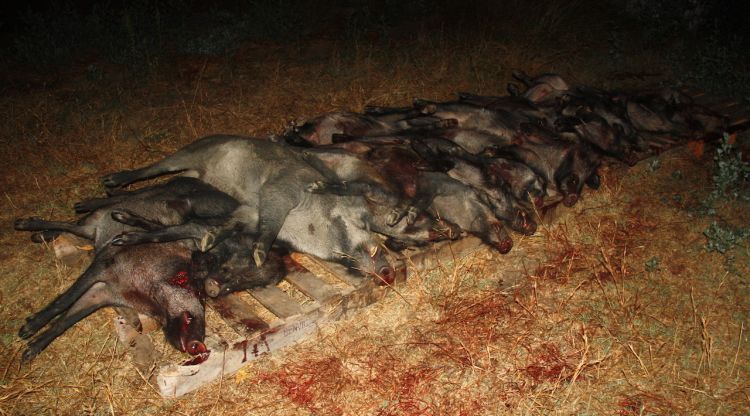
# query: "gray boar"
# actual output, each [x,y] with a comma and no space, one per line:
[269,180]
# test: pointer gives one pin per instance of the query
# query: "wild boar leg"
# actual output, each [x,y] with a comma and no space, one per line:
[94,298]
[369,191]
[91,276]
[45,236]
[276,202]
[128,217]
[182,160]
[207,236]
[82,207]
[38,224]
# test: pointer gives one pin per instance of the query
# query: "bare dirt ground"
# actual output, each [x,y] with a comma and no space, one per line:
[614,307]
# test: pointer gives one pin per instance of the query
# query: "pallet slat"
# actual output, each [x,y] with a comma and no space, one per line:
[311,285]
[176,380]
[339,271]
[276,301]
[238,314]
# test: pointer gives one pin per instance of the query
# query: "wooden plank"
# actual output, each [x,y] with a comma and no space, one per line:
[311,285]
[175,380]
[339,271]
[72,250]
[139,345]
[238,314]
[276,301]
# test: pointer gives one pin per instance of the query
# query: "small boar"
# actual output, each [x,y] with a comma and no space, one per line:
[227,268]
[181,202]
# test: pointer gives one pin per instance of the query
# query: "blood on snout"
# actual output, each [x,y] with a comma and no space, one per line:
[195,347]
[504,246]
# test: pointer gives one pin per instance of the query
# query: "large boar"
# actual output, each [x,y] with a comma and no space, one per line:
[269,180]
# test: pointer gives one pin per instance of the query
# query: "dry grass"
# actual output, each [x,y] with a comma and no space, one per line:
[571,322]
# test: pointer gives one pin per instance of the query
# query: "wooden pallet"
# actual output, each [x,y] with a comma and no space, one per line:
[254,336]
[294,321]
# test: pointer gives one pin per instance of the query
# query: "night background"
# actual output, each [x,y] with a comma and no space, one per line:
[637,305]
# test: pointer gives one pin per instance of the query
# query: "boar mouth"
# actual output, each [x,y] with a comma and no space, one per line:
[524,224]
[570,200]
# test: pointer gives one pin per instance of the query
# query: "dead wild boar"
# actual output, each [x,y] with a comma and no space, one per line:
[437,193]
[670,112]
[427,151]
[320,130]
[603,137]
[168,212]
[151,278]
[499,123]
[269,180]
[542,89]
[349,171]
[227,268]
[181,203]
[565,166]
[509,103]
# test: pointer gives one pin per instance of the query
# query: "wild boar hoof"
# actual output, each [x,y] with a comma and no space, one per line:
[259,254]
[26,331]
[81,207]
[316,186]
[120,216]
[29,354]
[207,242]
[393,217]
[125,239]
[110,181]
[411,215]
[212,287]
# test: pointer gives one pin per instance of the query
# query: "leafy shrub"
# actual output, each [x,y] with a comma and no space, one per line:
[731,178]
[724,238]
[731,174]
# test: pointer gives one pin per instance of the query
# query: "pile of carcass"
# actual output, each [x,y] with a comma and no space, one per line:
[341,186]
